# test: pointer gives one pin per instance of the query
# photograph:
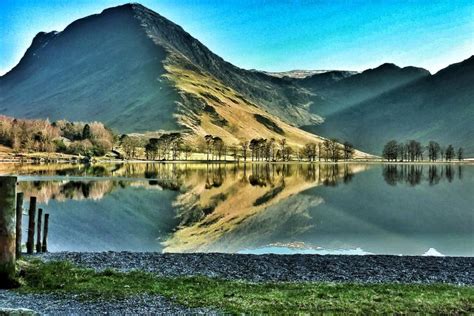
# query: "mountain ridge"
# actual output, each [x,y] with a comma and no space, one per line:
[438,107]
[137,71]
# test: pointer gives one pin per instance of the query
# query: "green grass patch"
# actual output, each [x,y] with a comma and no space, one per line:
[247,297]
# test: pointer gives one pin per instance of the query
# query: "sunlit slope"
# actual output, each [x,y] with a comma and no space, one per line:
[210,107]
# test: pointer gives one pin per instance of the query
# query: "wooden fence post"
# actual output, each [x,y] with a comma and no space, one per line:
[19,219]
[38,230]
[45,233]
[7,232]
[31,226]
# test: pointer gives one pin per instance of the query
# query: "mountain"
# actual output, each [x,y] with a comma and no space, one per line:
[338,90]
[301,74]
[436,107]
[137,71]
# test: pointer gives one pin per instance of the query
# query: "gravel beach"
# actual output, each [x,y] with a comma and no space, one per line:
[255,268]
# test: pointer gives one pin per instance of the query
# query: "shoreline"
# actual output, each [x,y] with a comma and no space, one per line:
[282,268]
[210,162]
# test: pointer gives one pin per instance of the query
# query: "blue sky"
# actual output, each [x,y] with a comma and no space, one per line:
[280,35]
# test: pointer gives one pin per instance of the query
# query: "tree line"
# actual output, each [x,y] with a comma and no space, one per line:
[172,146]
[23,135]
[413,150]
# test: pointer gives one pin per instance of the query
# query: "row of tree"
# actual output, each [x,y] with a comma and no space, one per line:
[92,139]
[171,146]
[414,151]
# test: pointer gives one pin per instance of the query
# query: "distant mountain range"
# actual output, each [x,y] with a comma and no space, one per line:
[400,103]
[136,71]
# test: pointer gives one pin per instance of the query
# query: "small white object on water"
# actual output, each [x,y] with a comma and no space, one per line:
[433,253]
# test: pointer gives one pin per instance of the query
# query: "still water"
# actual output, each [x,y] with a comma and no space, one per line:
[259,208]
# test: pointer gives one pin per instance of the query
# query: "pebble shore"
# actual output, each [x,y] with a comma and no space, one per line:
[254,268]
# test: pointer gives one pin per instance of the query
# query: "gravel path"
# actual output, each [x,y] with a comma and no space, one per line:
[367,269]
[68,305]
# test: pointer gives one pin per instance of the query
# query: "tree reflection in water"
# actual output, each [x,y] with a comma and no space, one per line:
[415,174]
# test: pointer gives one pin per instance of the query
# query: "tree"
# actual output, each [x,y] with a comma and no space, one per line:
[335,149]
[186,149]
[253,146]
[235,152]
[86,132]
[282,146]
[129,145]
[450,153]
[414,150]
[219,146]
[309,151]
[244,145]
[460,154]
[288,152]
[208,139]
[390,150]
[327,149]
[152,148]
[433,150]
[348,150]
[401,151]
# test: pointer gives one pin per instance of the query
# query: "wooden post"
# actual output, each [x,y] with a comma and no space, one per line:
[38,230]
[30,243]
[45,233]
[7,232]
[19,219]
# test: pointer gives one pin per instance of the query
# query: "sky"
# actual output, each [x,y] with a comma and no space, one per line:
[280,35]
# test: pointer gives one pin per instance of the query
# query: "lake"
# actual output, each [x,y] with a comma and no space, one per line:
[255,208]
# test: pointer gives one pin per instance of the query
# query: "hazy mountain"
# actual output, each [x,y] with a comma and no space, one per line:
[338,90]
[137,71]
[438,107]
[301,74]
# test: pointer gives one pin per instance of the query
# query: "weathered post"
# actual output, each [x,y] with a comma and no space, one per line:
[19,219]
[45,233]
[38,230]
[30,243]
[7,231]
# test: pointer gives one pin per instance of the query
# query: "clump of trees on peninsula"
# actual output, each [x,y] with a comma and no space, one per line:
[78,138]
[413,150]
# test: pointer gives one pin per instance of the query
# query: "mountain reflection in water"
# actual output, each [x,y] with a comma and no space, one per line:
[345,208]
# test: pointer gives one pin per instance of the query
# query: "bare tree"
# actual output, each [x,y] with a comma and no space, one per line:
[244,146]
[450,153]
[209,140]
[348,150]
[390,150]
[460,154]
[282,147]
[433,150]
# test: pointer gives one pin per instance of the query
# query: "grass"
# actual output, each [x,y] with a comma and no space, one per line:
[246,297]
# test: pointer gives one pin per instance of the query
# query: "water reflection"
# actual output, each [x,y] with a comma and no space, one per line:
[51,182]
[322,208]
[414,174]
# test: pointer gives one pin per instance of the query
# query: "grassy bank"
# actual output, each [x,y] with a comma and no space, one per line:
[64,278]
